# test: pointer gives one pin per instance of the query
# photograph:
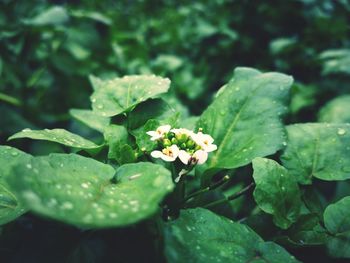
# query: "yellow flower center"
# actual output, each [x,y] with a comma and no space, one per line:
[167,152]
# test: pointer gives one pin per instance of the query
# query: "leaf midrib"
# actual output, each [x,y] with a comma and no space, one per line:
[231,127]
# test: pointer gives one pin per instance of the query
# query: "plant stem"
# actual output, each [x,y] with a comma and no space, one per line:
[231,197]
[207,189]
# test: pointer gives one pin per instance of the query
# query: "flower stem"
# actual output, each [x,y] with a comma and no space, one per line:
[231,197]
[207,189]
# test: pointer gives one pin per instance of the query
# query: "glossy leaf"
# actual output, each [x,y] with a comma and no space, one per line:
[276,192]
[245,118]
[80,191]
[56,135]
[337,221]
[10,206]
[318,149]
[199,235]
[119,95]
[90,118]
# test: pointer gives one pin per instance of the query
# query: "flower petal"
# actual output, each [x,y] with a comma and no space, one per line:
[156,154]
[184,157]
[201,156]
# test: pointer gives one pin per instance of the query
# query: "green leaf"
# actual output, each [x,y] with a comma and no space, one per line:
[56,135]
[90,118]
[336,61]
[245,118]
[199,235]
[152,109]
[337,221]
[307,231]
[55,15]
[117,140]
[276,192]
[143,140]
[119,95]
[336,110]
[318,149]
[10,206]
[80,191]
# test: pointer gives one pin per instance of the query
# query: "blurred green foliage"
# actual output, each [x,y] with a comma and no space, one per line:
[48,49]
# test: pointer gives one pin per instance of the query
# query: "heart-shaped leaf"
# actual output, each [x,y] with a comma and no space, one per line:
[10,206]
[318,149]
[113,97]
[199,235]
[84,192]
[245,117]
[276,192]
[56,135]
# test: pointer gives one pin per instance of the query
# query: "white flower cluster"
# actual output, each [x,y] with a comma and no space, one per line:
[190,147]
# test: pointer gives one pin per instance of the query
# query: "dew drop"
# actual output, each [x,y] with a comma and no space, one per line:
[341,131]
[84,185]
[100,106]
[67,206]
[14,153]
[29,166]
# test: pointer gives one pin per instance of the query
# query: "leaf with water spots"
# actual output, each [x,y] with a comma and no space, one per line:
[318,149]
[245,118]
[337,221]
[336,110]
[80,191]
[276,192]
[199,235]
[10,206]
[91,119]
[57,135]
[119,95]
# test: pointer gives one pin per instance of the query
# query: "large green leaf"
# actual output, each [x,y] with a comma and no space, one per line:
[276,192]
[81,191]
[115,96]
[90,118]
[57,135]
[337,221]
[245,117]
[318,149]
[199,235]
[10,206]
[336,110]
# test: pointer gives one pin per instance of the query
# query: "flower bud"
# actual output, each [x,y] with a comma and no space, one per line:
[197,148]
[170,135]
[183,146]
[190,144]
[166,142]
[174,141]
[181,137]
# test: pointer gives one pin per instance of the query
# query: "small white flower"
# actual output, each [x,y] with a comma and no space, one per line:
[184,157]
[198,157]
[168,154]
[159,132]
[205,141]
